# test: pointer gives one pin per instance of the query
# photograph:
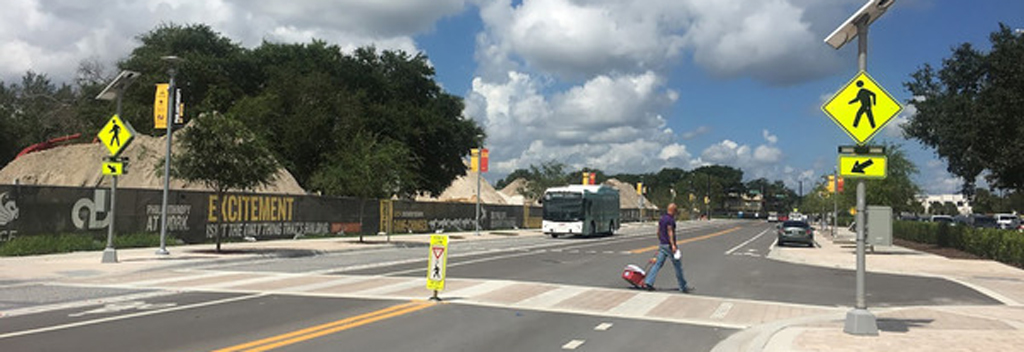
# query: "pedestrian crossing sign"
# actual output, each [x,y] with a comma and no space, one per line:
[437,262]
[862,108]
[116,135]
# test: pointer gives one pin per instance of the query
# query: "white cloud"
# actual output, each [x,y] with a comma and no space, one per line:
[51,37]
[768,137]
[700,131]
[776,41]
[894,129]
[611,122]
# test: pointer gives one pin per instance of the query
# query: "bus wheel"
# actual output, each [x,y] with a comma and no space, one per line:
[553,235]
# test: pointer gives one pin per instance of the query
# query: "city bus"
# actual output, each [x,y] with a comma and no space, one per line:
[580,210]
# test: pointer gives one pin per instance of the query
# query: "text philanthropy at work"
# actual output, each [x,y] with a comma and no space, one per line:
[250,208]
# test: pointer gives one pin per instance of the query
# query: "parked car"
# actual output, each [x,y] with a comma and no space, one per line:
[942,219]
[983,221]
[795,232]
[773,217]
[1007,221]
[797,217]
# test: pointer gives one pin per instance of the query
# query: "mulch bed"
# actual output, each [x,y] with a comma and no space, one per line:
[951,253]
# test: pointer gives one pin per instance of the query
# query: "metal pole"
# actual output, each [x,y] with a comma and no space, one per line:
[479,155]
[167,162]
[835,201]
[707,200]
[860,321]
[110,253]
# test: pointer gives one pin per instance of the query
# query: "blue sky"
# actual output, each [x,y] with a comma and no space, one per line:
[620,85]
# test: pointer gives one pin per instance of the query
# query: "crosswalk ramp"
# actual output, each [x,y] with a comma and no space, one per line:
[610,302]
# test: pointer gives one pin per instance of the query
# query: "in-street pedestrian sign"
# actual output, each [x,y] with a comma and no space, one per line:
[113,168]
[861,108]
[863,166]
[437,263]
[116,135]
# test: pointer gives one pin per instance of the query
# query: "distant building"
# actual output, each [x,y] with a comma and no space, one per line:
[963,205]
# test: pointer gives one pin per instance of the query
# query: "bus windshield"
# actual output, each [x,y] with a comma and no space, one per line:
[563,206]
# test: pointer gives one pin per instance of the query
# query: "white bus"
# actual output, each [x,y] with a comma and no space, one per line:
[580,210]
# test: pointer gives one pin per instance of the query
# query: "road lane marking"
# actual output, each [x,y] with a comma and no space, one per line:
[603,327]
[126,316]
[84,303]
[573,344]
[328,328]
[722,310]
[688,240]
[728,252]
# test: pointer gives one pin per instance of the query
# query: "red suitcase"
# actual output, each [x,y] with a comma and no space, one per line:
[635,275]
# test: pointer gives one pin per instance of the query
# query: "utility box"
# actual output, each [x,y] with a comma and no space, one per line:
[879,226]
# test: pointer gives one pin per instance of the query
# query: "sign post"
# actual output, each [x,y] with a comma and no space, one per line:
[848,108]
[437,264]
[116,135]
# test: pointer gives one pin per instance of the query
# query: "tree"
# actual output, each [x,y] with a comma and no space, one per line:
[366,166]
[935,208]
[971,111]
[898,189]
[223,154]
[548,174]
[515,175]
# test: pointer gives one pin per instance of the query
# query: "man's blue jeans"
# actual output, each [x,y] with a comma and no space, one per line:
[665,251]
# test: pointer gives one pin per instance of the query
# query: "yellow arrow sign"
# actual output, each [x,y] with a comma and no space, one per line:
[438,262]
[861,108]
[863,166]
[116,135]
[113,168]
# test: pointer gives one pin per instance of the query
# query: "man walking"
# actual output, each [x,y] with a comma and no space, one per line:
[867,100]
[667,248]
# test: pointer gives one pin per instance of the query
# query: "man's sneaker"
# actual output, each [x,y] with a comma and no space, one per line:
[688,289]
[648,287]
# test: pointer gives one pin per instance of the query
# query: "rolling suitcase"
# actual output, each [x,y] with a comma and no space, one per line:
[635,275]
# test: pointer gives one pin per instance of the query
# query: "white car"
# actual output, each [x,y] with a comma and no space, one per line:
[1007,221]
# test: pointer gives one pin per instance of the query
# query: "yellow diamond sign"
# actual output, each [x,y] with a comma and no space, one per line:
[861,108]
[863,166]
[116,135]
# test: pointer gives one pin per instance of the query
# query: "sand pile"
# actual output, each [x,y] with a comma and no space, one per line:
[628,198]
[463,190]
[78,165]
[512,195]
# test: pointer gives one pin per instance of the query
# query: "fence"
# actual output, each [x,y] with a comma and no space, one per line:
[194,216]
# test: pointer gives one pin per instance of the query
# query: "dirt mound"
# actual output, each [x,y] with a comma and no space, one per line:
[78,165]
[628,198]
[512,195]
[463,190]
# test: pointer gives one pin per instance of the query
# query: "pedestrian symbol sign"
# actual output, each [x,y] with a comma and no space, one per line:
[437,263]
[863,166]
[113,168]
[116,135]
[861,108]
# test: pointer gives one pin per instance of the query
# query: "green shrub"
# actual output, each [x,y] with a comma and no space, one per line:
[139,240]
[46,244]
[1000,245]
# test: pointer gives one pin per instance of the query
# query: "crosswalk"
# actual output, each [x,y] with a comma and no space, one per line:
[609,302]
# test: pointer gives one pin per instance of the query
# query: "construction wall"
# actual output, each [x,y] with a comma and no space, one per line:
[195,216]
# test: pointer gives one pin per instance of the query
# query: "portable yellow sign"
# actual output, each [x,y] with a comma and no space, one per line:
[861,108]
[437,262]
[113,168]
[863,166]
[160,107]
[116,135]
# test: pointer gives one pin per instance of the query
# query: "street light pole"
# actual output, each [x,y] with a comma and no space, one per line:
[171,106]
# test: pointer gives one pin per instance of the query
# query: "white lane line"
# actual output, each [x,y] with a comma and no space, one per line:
[639,305]
[573,344]
[728,252]
[158,282]
[85,303]
[325,284]
[603,327]
[551,298]
[722,310]
[126,316]
[481,289]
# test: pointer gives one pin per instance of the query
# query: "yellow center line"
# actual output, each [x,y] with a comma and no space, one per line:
[319,330]
[688,240]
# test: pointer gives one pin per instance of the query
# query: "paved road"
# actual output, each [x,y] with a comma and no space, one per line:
[723,259]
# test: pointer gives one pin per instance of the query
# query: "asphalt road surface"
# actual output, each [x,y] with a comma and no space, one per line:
[722,259]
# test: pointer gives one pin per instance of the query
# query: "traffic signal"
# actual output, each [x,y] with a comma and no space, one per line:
[839,185]
[831,184]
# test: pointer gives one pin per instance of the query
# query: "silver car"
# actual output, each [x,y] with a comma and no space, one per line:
[795,232]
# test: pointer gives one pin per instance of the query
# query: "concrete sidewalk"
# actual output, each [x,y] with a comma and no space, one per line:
[77,265]
[930,328]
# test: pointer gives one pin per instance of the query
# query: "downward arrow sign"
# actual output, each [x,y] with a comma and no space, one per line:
[111,168]
[858,167]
